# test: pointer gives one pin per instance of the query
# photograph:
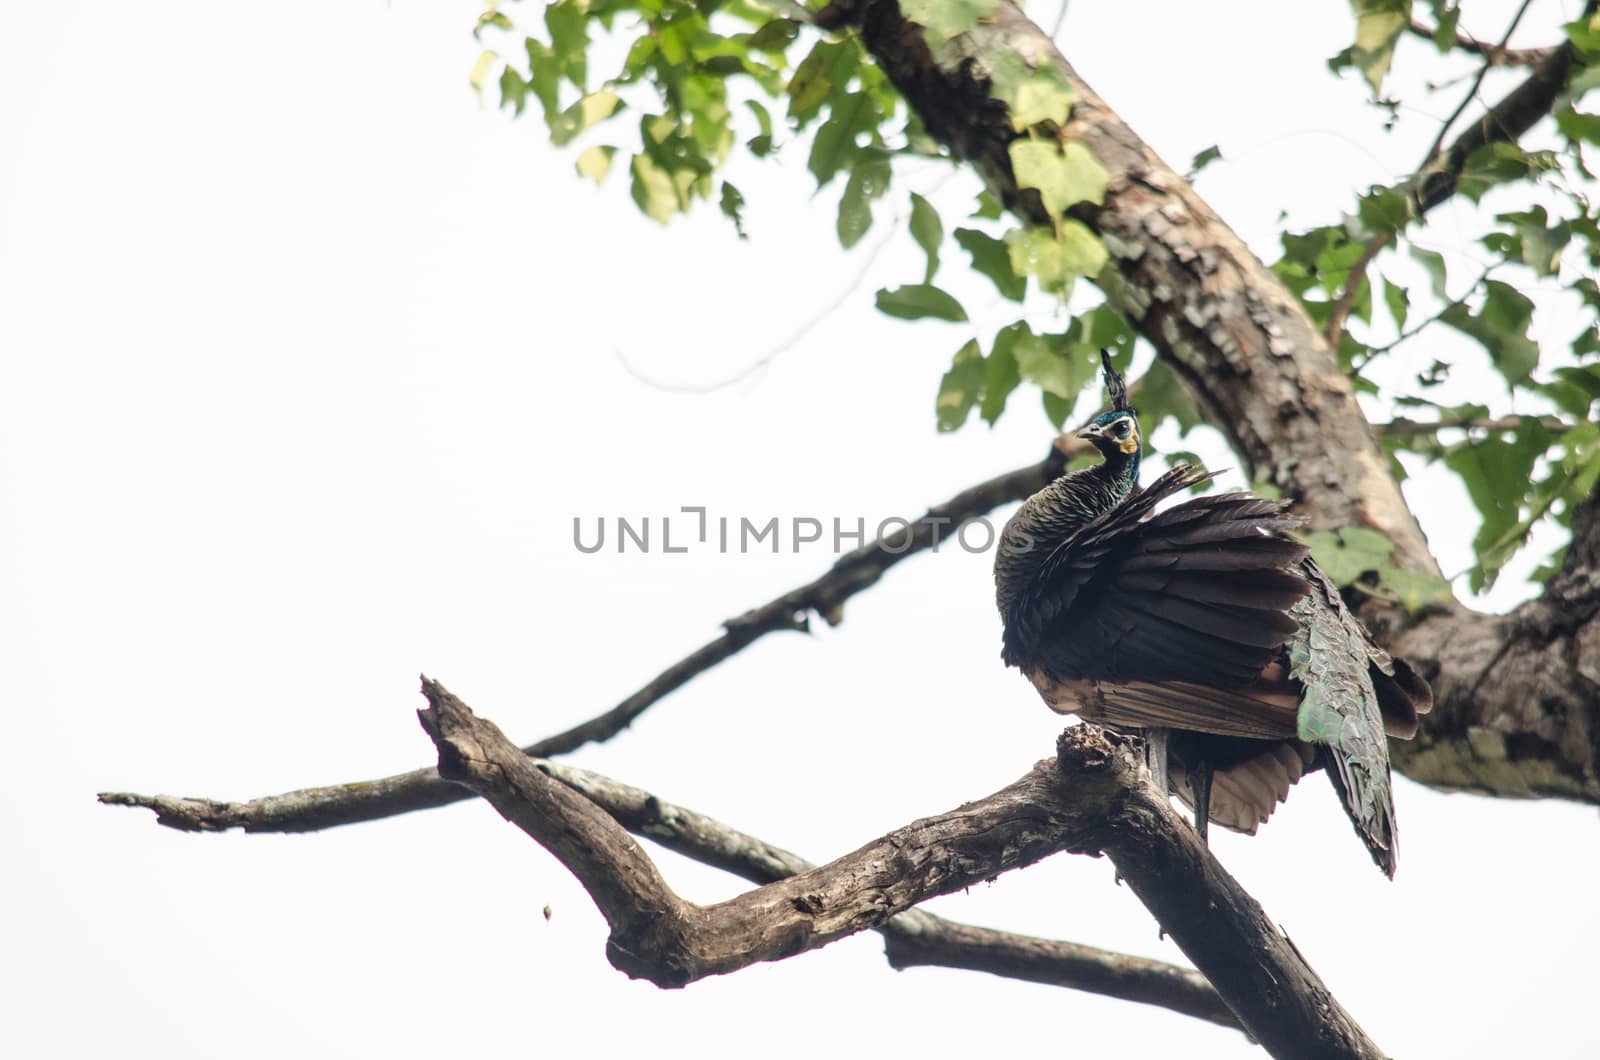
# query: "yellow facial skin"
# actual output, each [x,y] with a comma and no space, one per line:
[1130,444]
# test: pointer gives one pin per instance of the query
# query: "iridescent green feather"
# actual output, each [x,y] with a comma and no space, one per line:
[1329,656]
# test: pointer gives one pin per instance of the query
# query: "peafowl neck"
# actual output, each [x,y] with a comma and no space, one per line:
[1054,514]
[1122,473]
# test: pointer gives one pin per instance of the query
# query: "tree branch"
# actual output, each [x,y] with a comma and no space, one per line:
[1505,122]
[1095,796]
[1352,287]
[920,939]
[1516,696]
[1496,54]
[1358,272]
[1407,428]
[915,937]
[313,809]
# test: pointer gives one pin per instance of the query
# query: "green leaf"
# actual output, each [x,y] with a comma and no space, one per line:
[833,145]
[1161,395]
[1063,175]
[583,114]
[1399,303]
[497,19]
[855,211]
[1414,589]
[1446,16]
[1585,37]
[1348,552]
[988,207]
[1577,126]
[1539,244]
[1384,210]
[732,205]
[927,230]
[595,162]
[1501,327]
[1585,377]
[654,190]
[1056,410]
[1081,250]
[480,73]
[1379,24]
[568,23]
[760,145]
[868,181]
[1001,376]
[545,79]
[1045,360]
[1202,160]
[1056,261]
[1497,474]
[991,258]
[1042,97]
[1434,263]
[919,300]
[775,36]
[1499,162]
[943,19]
[1036,252]
[829,64]
[960,387]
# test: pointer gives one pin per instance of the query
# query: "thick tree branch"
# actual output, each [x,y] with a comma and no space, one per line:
[913,938]
[657,936]
[1095,796]
[313,809]
[1517,696]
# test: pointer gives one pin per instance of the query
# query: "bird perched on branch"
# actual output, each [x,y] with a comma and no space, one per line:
[1209,628]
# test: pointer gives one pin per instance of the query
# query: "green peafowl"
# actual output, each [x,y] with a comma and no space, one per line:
[1209,628]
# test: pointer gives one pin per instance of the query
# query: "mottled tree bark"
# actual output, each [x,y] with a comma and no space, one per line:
[1094,797]
[1518,708]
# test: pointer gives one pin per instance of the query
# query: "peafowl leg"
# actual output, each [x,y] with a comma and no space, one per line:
[1200,787]
[1155,756]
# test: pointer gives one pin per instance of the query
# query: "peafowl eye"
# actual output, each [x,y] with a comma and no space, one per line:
[1207,627]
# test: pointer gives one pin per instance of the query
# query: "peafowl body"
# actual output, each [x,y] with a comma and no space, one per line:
[1207,626]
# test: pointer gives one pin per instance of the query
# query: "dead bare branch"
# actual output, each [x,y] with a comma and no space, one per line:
[1496,54]
[1405,428]
[915,937]
[1095,796]
[313,809]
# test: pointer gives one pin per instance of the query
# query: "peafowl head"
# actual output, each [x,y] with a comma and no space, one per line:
[1116,432]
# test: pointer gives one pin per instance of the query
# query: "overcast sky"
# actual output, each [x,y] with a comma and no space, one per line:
[307,364]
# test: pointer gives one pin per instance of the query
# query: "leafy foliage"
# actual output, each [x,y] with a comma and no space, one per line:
[668,91]
[1542,235]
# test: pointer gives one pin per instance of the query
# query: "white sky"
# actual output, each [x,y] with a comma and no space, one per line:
[307,362]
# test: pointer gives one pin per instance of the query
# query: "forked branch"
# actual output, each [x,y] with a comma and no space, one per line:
[1094,797]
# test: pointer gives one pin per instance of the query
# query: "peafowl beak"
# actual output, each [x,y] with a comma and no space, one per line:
[1090,433]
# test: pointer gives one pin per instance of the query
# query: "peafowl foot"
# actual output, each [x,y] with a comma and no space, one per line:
[1155,757]
[1200,788]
